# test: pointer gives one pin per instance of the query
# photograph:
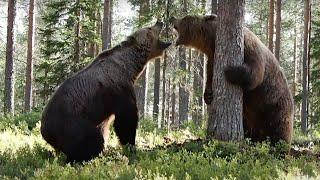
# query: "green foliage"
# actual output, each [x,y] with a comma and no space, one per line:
[58,40]
[182,157]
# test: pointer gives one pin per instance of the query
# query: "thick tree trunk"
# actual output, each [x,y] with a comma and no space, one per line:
[29,70]
[105,25]
[304,106]
[226,120]
[278,31]
[9,71]
[271,25]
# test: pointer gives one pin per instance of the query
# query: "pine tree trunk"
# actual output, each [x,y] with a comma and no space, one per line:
[9,69]
[98,31]
[271,24]
[304,106]
[110,25]
[156,90]
[29,69]
[226,120]
[77,39]
[105,25]
[278,31]
[142,83]
[183,94]
[214,6]
[295,60]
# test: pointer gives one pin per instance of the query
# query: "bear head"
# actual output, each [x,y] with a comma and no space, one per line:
[193,30]
[148,40]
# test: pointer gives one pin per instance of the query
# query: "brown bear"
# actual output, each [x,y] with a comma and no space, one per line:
[268,103]
[72,120]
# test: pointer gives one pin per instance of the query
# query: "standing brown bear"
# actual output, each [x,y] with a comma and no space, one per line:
[268,103]
[72,120]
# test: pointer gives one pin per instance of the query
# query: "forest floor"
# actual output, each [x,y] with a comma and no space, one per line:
[180,154]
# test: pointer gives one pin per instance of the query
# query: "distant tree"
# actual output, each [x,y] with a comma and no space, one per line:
[105,25]
[305,68]
[214,6]
[29,70]
[9,68]
[183,93]
[271,24]
[226,120]
[278,31]
[141,87]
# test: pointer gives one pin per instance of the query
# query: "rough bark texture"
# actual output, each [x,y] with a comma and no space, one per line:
[278,31]
[271,25]
[105,25]
[197,87]
[9,71]
[156,90]
[29,69]
[226,120]
[183,94]
[304,111]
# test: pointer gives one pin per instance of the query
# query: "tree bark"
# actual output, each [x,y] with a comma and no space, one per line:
[109,39]
[98,31]
[105,25]
[9,69]
[29,69]
[226,120]
[278,31]
[271,25]
[214,6]
[183,94]
[156,90]
[77,38]
[142,83]
[304,106]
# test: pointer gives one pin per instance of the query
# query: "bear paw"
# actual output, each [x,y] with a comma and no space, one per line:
[237,75]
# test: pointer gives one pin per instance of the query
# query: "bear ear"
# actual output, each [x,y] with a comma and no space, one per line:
[211,17]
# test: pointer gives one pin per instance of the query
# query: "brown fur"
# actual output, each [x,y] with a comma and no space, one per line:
[268,104]
[76,119]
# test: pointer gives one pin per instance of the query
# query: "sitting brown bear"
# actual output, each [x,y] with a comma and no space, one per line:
[72,120]
[268,103]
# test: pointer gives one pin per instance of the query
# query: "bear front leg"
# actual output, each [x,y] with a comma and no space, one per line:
[125,124]
[207,96]
[247,76]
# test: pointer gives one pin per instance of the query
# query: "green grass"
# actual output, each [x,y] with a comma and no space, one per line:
[160,155]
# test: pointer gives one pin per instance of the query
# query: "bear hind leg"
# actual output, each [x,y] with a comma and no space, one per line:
[90,146]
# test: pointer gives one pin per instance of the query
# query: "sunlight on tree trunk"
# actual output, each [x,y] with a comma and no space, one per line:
[29,70]
[9,69]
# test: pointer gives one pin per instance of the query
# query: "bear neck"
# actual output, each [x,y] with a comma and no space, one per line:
[134,59]
[206,42]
